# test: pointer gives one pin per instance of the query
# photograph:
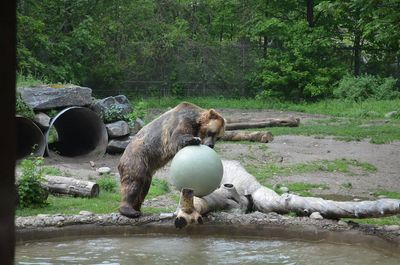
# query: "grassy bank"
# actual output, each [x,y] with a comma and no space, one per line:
[106,202]
[349,121]
[370,109]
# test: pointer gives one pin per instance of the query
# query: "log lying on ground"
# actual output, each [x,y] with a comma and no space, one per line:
[263,137]
[288,122]
[251,195]
[70,186]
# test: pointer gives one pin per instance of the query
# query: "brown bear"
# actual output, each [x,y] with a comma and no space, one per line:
[157,143]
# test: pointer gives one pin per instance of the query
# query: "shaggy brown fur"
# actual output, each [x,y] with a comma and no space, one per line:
[157,143]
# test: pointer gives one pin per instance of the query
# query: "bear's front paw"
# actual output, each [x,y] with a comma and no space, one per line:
[129,212]
[194,141]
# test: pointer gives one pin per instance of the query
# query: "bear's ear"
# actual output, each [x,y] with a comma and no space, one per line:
[213,114]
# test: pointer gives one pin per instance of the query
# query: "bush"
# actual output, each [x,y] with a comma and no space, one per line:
[139,111]
[365,87]
[114,113]
[30,191]
[22,109]
[107,183]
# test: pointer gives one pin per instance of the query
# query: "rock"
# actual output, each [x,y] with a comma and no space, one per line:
[117,129]
[391,114]
[342,223]
[85,213]
[284,189]
[116,146]
[42,120]
[42,215]
[92,164]
[121,99]
[118,103]
[392,227]
[103,170]
[166,215]
[49,97]
[138,124]
[316,215]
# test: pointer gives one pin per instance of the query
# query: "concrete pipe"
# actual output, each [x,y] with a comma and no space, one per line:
[30,139]
[77,132]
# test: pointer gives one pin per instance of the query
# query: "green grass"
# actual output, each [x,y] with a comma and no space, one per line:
[301,188]
[266,171]
[350,121]
[347,130]
[333,107]
[388,194]
[390,220]
[49,170]
[29,80]
[106,202]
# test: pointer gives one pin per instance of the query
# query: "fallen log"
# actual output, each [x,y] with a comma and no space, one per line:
[70,186]
[246,194]
[263,137]
[288,122]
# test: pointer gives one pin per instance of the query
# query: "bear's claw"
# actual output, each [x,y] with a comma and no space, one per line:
[180,222]
[194,141]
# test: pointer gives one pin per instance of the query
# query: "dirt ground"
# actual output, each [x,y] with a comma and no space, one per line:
[286,150]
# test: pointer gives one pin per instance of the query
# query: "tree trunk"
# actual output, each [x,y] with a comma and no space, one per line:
[240,190]
[70,186]
[263,137]
[265,46]
[289,122]
[357,53]
[310,13]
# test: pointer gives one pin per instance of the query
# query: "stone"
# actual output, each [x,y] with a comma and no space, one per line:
[391,114]
[92,164]
[46,97]
[342,223]
[284,189]
[316,215]
[117,146]
[137,126]
[121,99]
[392,227]
[103,170]
[85,213]
[105,105]
[42,120]
[117,129]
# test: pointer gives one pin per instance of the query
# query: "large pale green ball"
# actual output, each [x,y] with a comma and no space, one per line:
[197,167]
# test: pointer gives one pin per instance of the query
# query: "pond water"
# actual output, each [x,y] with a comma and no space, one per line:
[159,249]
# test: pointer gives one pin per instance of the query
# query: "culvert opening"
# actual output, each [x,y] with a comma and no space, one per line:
[30,139]
[76,132]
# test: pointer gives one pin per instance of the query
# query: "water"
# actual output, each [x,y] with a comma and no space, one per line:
[193,250]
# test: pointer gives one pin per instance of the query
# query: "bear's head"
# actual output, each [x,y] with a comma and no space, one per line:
[212,127]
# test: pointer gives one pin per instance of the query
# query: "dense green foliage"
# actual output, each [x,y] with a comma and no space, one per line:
[30,192]
[22,109]
[288,49]
[365,87]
